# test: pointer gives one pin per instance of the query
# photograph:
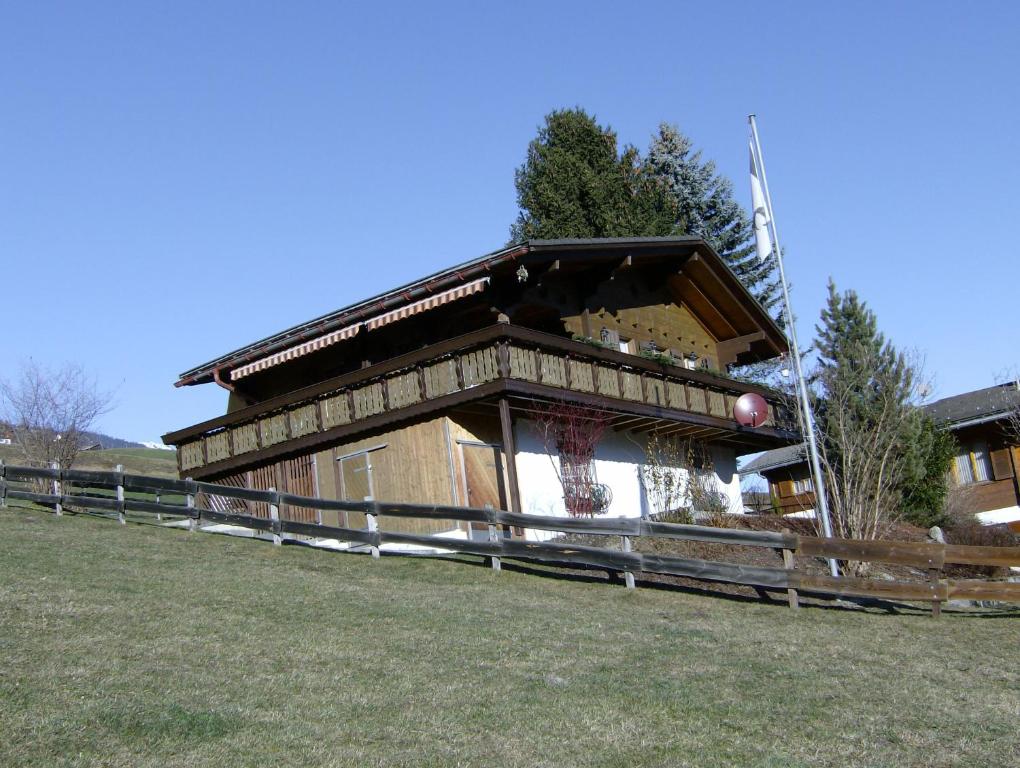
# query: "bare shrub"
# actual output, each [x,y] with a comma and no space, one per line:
[678,475]
[573,432]
[49,410]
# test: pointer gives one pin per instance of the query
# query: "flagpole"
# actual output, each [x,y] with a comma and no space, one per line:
[807,420]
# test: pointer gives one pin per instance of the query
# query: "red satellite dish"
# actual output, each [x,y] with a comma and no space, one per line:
[750,410]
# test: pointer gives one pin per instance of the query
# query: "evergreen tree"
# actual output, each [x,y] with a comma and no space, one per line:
[881,456]
[926,487]
[704,206]
[575,183]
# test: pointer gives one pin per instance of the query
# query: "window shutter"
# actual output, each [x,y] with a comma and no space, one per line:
[1002,468]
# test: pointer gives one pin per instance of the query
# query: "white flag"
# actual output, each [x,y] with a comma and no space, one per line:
[761,215]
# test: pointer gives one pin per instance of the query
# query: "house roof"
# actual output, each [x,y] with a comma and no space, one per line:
[524,253]
[786,456]
[978,406]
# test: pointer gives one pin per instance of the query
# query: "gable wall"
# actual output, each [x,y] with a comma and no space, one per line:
[636,311]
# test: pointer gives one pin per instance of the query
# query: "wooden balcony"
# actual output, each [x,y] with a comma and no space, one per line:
[499,361]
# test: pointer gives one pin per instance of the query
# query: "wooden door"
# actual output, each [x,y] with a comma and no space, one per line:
[356,480]
[483,481]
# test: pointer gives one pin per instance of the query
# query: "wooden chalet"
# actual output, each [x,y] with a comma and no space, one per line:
[987,463]
[986,468]
[791,486]
[426,393]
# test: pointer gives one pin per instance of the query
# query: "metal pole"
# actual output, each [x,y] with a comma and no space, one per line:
[821,502]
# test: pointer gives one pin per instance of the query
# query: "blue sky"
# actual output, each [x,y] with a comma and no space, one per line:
[177,180]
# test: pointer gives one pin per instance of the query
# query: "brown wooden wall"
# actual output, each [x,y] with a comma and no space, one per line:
[628,306]
[781,489]
[478,485]
[414,467]
[1002,489]
[295,475]
[983,497]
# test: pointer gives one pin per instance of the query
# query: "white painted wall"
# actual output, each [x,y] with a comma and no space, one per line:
[618,461]
[994,516]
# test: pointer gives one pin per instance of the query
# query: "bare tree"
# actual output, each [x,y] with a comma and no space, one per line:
[679,478]
[863,459]
[1012,426]
[573,432]
[49,410]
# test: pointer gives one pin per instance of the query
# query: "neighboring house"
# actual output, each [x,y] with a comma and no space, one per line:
[427,393]
[988,454]
[789,477]
[985,469]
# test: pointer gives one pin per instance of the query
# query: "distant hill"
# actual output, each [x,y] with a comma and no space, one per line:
[137,458]
[90,438]
[136,461]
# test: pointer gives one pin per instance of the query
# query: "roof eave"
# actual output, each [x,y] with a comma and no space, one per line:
[206,373]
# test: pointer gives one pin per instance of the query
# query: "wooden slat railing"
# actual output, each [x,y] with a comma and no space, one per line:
[926,557]
[501,353]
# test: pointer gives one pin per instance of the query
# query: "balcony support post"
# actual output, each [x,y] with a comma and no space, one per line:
[510,451]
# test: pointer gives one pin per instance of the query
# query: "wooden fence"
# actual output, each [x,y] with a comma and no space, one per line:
[119,493]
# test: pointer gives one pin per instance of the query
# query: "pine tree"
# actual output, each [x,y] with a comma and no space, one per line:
[575,183]
[705,207]
[926,488]
[879,453]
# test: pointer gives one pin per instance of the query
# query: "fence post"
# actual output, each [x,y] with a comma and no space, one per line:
[120,494]
[159,515]
[57,491]
[936,605]
[628,576]
[497,565]
[373,526]
[274,515]
[3,484]
[790,565]
[189,500]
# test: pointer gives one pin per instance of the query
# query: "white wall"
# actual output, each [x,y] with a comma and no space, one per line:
[994,516]
[724,461]
[618,461]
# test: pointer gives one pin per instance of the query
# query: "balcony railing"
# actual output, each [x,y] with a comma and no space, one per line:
[515,357]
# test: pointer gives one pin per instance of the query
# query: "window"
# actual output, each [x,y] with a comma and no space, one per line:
[973,464]
[804,485]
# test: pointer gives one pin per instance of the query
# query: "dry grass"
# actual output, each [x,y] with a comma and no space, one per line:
[142,646]
[138,461]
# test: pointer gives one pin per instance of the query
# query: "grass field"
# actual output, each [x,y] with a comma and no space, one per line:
[142,646]
[138,461]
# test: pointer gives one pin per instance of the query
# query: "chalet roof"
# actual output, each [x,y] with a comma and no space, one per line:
[956,412]
[978,406]
[787,456]
[526,253]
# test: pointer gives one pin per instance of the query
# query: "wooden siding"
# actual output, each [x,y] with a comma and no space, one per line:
[466,429]
[642,313]
[295,475]
[987,496]
[409,465]
[1001,489]
[781,489]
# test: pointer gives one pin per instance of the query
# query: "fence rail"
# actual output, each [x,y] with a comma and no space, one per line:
[927,557]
